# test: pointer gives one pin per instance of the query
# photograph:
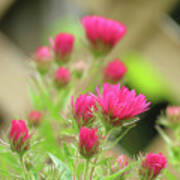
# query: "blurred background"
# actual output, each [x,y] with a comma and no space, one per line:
[151,50]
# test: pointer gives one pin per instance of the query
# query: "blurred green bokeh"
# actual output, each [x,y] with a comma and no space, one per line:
[68,25]
[145,78]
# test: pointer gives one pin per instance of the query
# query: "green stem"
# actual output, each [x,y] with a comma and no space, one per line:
[93,168]
[86,169]
[24,168]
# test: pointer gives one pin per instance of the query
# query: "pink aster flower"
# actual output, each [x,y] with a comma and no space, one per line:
[35,117]
[114,71]
[83,109]
[88,142]
[63,46]
[43,54]
[121,162]
[173,113]
[62,76]
[43,58]
[103,33]
[152,165]
[19,136]
[79,67]
[118,104]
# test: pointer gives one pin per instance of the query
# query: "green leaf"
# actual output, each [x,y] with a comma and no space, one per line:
[67,174]
[117,174]
[50,143]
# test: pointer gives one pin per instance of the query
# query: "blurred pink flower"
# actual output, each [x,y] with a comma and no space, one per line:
[153,164]
[82,109]
[79,67]
[122,160]
[62,76]
[63,46]
[19,136]
[88,142]
[35,117]
[114,71]
[103,33]
[43,58]
[120,104]
[173,113]
[43,54]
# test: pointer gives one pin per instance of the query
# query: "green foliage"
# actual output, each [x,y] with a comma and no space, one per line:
[64,172]
[169,175]
[67,25]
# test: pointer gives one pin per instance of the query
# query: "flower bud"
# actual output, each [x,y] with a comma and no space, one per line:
[79,68]
[43,58]
[35,117]
[152,165]
[63,46]
[62,76]
[173,114]
[83,109]
[122,160]
[114,71]
[88,142]
[121,163]
[19,136]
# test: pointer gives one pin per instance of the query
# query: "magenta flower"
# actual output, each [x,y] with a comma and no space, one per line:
[35,117]
[103,33]
[63,46]
[88,142]
[118,104]
[153,164]
[43,54]
[82,109]
[19,136]
[121,162]
[43,58]
[62,76]
[173,113]
[114,71]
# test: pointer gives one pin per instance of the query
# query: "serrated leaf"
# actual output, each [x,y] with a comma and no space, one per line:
[117,174]
[67,174]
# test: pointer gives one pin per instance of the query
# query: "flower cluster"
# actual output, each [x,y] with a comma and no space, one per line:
[117,104]
[85,129]
[60,49]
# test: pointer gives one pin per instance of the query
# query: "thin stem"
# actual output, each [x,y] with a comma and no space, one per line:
[93,168]
[4,143]
[86,169]
[24,167]
[119,138]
